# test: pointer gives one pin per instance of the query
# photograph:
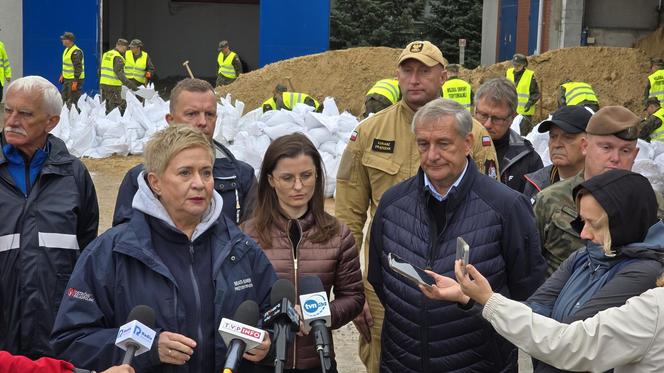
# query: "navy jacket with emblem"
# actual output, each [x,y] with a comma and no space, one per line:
[41,237]
[122,269]
[423,335]
[234,180]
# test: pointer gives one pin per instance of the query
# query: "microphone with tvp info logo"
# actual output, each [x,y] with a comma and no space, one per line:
[240,334]
[317,317]
[136,336]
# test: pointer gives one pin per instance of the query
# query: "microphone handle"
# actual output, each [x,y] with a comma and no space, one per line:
[129,354]
[234,355]
[281,331]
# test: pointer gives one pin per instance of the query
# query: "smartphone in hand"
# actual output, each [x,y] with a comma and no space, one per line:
[411,272]
[462,252]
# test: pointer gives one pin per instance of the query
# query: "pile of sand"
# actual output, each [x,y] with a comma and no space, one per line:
[652,44]
[617,74]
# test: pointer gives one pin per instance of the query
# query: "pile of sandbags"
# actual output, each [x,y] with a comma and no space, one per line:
[92,133]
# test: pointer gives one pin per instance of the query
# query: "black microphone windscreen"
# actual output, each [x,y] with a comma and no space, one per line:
[247,313]
[281,289]
[310,284]
[144,314]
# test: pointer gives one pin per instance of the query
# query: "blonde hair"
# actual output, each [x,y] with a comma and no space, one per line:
[602,225]
[167,143]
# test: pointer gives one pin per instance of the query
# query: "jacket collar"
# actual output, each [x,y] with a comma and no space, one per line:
[305,222]
[458,194]
[146,202]
[58,155]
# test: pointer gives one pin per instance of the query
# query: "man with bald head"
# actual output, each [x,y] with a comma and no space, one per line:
[381,153]
[610,143]
[49,212]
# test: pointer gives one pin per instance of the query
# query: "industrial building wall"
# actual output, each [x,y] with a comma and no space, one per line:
[637,18]
[11,33]
[173,32]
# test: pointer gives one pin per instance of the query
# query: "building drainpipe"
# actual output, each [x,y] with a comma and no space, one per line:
[540,26]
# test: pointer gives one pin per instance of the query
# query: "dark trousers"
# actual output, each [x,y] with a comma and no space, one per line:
[70,97]
[248,367]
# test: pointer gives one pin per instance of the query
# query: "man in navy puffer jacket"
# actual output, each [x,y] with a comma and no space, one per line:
[419,220]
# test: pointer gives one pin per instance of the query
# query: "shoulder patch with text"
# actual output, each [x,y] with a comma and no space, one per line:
[383,146]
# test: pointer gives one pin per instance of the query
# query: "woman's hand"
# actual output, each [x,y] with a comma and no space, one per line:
[300,332]
[479,288]
[259,352]
[124,368]
[175,348]
[444,289]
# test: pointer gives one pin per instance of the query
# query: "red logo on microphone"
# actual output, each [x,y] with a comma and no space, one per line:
[250,332]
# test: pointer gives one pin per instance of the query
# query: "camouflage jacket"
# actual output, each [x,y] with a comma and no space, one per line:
[554,211]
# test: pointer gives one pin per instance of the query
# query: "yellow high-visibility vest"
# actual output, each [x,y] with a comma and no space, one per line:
[5,68]
[107,75]
[68,66]
[135,68]
[226,67]
[658,134]
[577,92]
[269,102]
[657,85]
[388,88]
[458,90]
[293,98]
[522,90]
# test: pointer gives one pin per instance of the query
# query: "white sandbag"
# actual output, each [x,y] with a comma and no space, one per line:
[282,129]
[651,170]
[646,151]
[330,107]
[319,136]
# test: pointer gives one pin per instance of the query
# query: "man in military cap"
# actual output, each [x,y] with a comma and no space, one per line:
[138,64]
[381,153]
[73,70]
[610,142]
[653,127]
[112,77]
[526,88]
[655,83]
[566,127]
[456,88]
[383,94]
[230,66]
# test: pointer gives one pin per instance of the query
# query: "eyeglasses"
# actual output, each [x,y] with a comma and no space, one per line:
[306,179]
[482,117]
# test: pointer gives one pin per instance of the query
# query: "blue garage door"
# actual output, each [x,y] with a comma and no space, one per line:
[507,40]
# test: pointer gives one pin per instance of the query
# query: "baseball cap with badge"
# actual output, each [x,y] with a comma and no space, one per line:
[614,120]
[572,119]
[424,52]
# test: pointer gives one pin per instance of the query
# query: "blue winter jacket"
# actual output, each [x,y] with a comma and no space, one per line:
[422,335]
[121,269]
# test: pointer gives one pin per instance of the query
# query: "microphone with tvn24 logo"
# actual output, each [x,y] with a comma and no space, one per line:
[136,336]
[317,317]
[283,318]
[240,334]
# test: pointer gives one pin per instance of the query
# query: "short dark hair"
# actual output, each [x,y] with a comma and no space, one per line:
[188,85]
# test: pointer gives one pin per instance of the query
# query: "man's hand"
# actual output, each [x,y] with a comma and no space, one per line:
[259,352]
[61,79]
[148,75]
[74,86]
[175,348]
[444,289]
[363,322]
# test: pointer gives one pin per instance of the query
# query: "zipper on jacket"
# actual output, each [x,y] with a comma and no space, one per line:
[28,187]
[295,259]
[197,295]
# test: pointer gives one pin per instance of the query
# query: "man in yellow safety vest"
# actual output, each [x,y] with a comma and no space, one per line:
[653,127]
[527,90]
[112,77]
[383,94]
[230,66]
[456,88]
[655,84]
[5,69]
[73,70]
[577,93]
[282,99]
[138,64]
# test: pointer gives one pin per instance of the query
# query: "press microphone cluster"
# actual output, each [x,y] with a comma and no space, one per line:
[317,317]
[240,334]
[137,335]
[283,318]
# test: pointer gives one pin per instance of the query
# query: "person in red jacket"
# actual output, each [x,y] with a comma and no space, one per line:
[14,363]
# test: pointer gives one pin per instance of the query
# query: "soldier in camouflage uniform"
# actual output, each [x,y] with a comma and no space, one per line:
[381,153]
[230,66]
[73,71]
[113,77]
[610,142]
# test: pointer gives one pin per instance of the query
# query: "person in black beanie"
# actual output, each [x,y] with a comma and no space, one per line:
[623,255]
